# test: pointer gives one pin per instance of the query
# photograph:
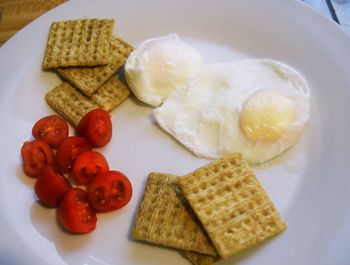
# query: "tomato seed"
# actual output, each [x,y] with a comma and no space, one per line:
[99,194]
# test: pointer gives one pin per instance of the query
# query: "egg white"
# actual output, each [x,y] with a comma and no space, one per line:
[158,66]
[204,115]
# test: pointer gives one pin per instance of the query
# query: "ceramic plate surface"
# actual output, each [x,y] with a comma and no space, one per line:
[309,184]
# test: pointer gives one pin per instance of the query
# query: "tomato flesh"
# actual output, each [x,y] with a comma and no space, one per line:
[51,187]
[52,129]
[75,213]
[96,126]
[36,155]
[109,191]
[68,150]
[87,166]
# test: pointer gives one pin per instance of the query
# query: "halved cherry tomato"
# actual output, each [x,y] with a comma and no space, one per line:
[36,155]
[51,187]
[52,129]
[68,151]
[75,213]
[109,191]
[96,126]
[88,165]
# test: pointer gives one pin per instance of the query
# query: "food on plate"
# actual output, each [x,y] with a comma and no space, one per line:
[75,213]
[96,127]
[69,103]
[36,155]
[51,187]
[109,191]
[52,129]
[87,55]
[164,218]
[76,160]
[87,166]
[231,204]
[89,79]
[68,150]
[160,65]
[83,42]
[213,212]
[255,107]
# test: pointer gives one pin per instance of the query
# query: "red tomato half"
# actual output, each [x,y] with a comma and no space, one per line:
[75,213]
[68,151]
[51,187]
[52,129]
[96,126]
[109,191]
[36,155]
[88,165]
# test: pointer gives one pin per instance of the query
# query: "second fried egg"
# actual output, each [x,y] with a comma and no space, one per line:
[256,107]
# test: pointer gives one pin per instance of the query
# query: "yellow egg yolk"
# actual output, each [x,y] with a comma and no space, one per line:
[266,114]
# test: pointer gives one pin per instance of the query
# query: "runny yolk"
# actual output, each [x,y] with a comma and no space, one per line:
[266,115]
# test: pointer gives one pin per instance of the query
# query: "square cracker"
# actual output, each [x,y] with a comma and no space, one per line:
[89,79]
[83,42]
[163,218]
[111,94]
[69,103]
[231,204]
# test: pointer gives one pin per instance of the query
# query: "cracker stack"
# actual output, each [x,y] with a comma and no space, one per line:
[165,218]
[87,56]
[229,209]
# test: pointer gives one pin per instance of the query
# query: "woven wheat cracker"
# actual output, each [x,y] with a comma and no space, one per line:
[111,94]
[89,79]
[197,258]
[163,218]
[69,103]
[231,204]
[83,42]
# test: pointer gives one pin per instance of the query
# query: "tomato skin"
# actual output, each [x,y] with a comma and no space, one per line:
[96,126]
[75,214]
[52,129]
[109,191]
[51,187]
[36,155]
[68,151]
[87,166]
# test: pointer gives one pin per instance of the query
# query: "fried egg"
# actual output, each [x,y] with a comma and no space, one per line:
[256,107]
[160,65]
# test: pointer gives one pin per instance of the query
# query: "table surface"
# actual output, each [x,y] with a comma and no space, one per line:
[15,14]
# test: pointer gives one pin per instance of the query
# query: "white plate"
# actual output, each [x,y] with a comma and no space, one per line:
[310,184]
